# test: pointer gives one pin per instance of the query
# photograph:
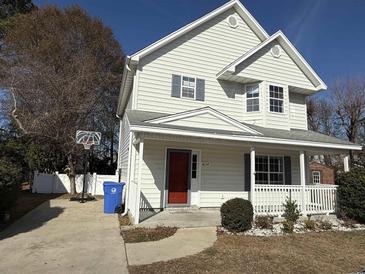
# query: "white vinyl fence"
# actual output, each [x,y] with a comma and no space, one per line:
[60,183]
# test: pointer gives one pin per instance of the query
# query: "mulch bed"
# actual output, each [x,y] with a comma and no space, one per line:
[316,252]
[25,203]
[140,234]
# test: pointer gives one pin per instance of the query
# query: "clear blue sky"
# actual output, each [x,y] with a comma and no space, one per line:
[329,33]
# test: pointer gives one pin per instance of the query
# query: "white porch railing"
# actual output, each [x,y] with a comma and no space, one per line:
[318,199]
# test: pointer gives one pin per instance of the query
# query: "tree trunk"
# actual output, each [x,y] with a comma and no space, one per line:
[72,175]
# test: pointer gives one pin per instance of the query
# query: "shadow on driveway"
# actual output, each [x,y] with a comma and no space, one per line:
[32,220]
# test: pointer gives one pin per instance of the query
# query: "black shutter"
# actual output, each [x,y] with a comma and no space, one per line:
[200,89]
[287,170]
[247,168]
[175,85]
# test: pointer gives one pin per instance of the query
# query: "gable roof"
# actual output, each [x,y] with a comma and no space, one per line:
[236,4]
[291,51]
[201,111]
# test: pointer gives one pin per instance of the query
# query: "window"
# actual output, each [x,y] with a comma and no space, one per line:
[188,87]
[194,166]
[316,177]
[276,99]
[252,95]
[269,170]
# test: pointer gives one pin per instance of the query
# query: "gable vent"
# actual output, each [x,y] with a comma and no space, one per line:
[276,51]
[232,21]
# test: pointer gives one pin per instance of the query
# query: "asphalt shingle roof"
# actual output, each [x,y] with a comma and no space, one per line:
[138,117]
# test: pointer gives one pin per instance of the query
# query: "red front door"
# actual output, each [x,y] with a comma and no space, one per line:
[178,177]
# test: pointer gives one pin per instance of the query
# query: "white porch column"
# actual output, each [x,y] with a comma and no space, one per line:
[252,176]
[139,183]
[302,178]
[346,164]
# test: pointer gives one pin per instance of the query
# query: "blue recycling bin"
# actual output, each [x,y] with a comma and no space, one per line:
[112,196]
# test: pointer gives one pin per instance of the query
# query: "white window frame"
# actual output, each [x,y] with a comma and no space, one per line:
[268,172]
[252,98]
[182,85]
[278,99]
[314,174]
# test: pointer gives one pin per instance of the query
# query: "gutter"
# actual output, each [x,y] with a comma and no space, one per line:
[122,96]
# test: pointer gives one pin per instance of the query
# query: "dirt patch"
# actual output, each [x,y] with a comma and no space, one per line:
[124,220]
[140,234]
[25,203]
[329,252]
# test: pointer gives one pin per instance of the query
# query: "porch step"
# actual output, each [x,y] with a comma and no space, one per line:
[181,209]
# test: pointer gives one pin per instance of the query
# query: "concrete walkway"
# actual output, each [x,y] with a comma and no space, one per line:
[185,242]
[61,236]
[180,217]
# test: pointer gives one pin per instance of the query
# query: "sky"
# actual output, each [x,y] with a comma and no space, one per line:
[330,34]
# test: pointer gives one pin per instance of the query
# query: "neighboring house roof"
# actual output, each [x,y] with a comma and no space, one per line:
[292,52]
[139,121]
[236,4]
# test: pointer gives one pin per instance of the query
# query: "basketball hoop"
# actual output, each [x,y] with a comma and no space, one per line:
[88,138]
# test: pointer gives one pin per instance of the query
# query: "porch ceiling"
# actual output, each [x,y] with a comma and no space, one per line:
[294,137]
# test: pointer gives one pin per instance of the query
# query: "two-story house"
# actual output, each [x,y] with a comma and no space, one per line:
[217,110]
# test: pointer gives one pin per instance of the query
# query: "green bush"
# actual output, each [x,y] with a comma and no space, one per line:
[237,215]
[10,177]
[264,222]
[351,193]
[291,212]
[288,226]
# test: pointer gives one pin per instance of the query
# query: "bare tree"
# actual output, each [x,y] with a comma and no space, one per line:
[321,115]
[349,101]
[60,67]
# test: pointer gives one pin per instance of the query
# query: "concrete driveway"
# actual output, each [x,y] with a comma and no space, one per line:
[61,236]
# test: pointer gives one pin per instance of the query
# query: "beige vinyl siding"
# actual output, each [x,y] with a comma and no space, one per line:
[222,171]
[298,111]
[201,53]
[205,120]
[264,66]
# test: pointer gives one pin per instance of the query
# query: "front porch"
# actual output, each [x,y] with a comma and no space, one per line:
[224,170]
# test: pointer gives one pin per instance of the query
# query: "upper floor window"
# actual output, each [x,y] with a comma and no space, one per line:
[276,99]
[252,98]
[188,87]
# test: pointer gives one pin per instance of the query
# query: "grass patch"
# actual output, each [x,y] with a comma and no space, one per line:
[141,234]
[329,252]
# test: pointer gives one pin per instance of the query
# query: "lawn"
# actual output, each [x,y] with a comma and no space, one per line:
[25,203]
[324,252]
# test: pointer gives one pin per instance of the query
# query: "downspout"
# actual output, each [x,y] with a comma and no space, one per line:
[126,187]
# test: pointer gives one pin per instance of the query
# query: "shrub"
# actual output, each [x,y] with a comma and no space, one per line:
[237,215]
[324,225]
[264,222]
[291,212]
[351,193]
[288,226]
[9,184]
[309,224]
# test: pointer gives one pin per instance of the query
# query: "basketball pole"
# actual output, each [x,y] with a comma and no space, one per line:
[84,181]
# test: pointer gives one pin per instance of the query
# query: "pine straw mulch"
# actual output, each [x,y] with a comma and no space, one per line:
[141,234]
[317,252]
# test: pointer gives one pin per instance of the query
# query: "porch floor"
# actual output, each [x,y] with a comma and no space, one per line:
[184,218]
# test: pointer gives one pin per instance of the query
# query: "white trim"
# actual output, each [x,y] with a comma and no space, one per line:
[252,175]
[302,179]
[346,163]
[200,111]
[249,139]
[241,10]
[292,52]
[139,183]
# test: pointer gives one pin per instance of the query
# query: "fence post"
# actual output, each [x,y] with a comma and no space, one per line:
[95,181]
[35,181]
